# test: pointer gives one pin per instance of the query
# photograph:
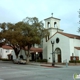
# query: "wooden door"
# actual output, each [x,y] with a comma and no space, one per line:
[59,57]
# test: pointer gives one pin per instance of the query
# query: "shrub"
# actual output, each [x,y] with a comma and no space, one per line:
[72,61]
[42,60]
[5,60]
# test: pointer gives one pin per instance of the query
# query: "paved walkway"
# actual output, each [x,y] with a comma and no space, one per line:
[46,64]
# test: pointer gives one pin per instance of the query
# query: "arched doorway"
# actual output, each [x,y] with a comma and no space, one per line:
[58,53]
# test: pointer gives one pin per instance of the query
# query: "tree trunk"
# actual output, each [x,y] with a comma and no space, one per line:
[27,60]
[16,51]
[27,55]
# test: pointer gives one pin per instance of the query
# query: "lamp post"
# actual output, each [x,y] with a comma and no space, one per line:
[53,53]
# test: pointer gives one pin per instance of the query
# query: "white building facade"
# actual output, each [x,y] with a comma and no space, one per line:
[65,45]
[6,50]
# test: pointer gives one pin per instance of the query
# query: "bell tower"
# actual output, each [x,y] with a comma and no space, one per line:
[52,24]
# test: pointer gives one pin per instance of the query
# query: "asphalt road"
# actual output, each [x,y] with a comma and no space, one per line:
[10,71]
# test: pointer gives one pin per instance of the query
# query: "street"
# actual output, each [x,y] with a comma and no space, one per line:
[10,71]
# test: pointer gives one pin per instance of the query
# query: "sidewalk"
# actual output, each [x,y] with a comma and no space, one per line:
[46,64]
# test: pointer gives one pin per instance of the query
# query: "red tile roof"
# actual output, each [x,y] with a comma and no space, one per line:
[70,35]
[6,47]
[35,49]
[67,35]
[78,48]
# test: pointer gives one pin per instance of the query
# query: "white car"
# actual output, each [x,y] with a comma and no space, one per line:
[22,61]
[19,61]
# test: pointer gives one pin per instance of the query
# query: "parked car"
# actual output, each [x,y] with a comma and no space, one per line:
[19,61]
[22,61]
[16,61]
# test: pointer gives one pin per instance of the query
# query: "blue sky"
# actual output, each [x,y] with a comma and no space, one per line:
[66,10]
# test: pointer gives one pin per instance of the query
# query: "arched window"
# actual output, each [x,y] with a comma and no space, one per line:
[57,51]
[55,24]
[48,25]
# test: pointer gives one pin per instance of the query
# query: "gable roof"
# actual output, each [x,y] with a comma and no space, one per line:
[67,35]
[6,47]
[70,35]
[52,17]
[78,48]
[34,49]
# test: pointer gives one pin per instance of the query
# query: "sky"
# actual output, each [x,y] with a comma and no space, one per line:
[67,10]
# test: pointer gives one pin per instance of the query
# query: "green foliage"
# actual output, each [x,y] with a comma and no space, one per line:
[42,60]
[5,59]
[79,29]
[28,32]
[77,61]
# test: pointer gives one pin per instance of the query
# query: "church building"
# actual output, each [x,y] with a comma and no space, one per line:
[60,46]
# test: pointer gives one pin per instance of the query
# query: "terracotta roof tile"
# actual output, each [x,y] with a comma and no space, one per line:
[67,35]
[70,35]
[35,49]
[78,48]
[6,47]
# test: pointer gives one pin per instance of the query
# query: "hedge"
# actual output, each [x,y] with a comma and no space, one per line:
[5,59]
[72,61]
[42,60]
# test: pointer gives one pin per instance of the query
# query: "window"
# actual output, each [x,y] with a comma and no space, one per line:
[7,51]
[48,24]
[55,24]
[57,51]
[57,40]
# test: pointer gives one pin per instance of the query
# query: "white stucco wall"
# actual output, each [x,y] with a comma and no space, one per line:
[14,55]
[71,46]
[44,49]
[5,52]
[52,31]
[22,52]
[52,20]
[74,43]
[63,45]
[76,52]
[0,52]
[79,54]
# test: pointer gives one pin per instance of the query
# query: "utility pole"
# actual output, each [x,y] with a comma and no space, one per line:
[53,53]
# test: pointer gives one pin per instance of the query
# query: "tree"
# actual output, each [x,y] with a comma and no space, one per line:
[9,33]
[79,29]
[33,31]
[28,32]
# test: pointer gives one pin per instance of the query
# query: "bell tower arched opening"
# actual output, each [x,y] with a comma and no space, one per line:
[48,24]
[55,24]
[52,24]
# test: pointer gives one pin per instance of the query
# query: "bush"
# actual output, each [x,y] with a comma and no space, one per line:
[42,60]
[5,60]
[72,61]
